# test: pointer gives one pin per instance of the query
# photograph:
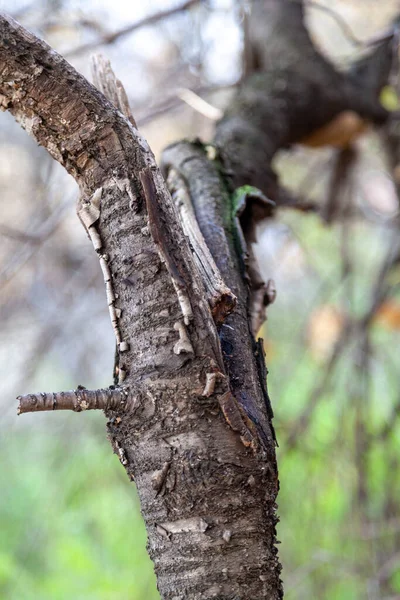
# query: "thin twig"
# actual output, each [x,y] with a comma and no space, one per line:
[112,37]
[356,327]
[287,200]
[200,105]
[76,400]
[32,244]
[346,29]
[302,422]
[247,54]
[343,165]
[174,102]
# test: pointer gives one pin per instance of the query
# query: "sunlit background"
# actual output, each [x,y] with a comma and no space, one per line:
[70,524]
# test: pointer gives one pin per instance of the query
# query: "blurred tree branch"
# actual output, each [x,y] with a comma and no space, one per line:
[110,38]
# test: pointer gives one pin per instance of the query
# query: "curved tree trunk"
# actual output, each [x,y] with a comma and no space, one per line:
[189,415]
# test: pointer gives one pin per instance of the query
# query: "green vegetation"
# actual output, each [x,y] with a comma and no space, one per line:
[70,520]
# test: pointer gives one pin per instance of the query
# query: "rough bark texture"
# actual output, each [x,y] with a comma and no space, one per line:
[210,198]
[206,483]
[194,429]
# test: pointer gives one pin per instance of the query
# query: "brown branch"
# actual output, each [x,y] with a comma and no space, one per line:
[390,424]
[76,400]
[248,65]
[146,115]
[61,109]
[210,199]
[261,119]
[112,37]
[296,202]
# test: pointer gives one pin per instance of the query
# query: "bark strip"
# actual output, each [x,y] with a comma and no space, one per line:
[222,301]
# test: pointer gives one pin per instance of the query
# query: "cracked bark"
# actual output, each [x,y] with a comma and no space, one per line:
[215,483]
[195,429]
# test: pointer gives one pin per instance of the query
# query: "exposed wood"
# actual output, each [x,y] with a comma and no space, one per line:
[220,298]
[214,214]
[105,80]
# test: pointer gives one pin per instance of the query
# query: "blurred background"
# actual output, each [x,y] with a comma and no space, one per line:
[70,524]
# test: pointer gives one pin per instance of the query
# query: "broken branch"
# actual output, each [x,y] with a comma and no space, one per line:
[116,35]
[76,400]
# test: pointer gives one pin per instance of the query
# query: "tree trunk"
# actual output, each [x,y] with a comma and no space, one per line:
[189,416]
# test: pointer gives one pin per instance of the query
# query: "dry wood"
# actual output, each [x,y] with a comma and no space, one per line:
[77,400]
[222,301]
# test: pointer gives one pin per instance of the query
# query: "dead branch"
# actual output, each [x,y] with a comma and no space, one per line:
[77,400]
